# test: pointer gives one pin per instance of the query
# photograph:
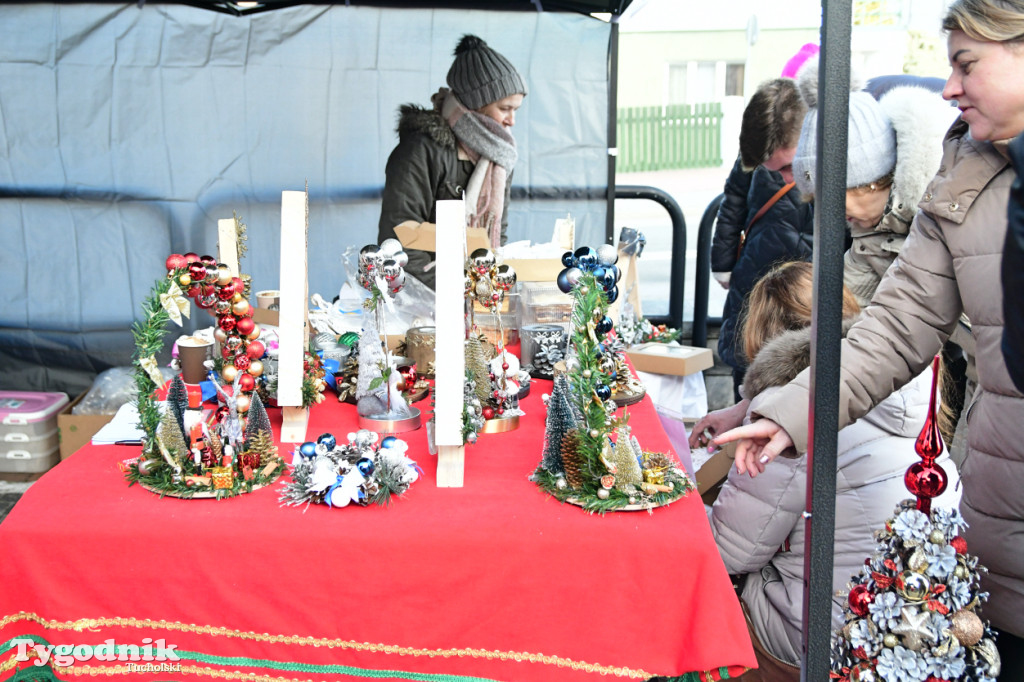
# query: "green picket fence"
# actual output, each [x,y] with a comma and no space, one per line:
[665,138]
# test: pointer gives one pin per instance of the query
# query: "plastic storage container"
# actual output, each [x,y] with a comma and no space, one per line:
[29,442]
[544,303]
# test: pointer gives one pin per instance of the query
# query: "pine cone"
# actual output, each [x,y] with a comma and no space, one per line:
[572,459]
[657,460]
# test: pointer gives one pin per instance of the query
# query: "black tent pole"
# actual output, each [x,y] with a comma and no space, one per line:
[823,418]
[613,96]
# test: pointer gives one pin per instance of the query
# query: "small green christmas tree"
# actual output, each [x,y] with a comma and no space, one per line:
[560,419]
[177,400]
[172,437]
[628,474]
[257,419]
[476,364]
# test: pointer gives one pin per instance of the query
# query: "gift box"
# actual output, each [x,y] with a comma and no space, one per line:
[669,358]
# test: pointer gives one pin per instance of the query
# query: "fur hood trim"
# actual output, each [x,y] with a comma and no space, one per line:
[920,118]
[417,120]
[781,359]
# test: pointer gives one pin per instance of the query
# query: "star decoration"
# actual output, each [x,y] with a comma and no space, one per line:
[912,628]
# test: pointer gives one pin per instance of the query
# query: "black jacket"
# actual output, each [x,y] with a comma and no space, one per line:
[424,168]
[1013,272]
[784,233]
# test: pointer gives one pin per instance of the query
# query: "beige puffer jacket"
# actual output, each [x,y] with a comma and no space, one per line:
[949,264]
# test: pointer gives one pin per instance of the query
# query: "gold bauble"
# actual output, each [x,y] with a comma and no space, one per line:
[184,279]
[242,403]
[937,537]
[220,335]
[236,298]
[255,368]
[967,627]
[229,373]
[912,586]
[255,333]
[241,307]
[223,275]
[961,572]
[890,640]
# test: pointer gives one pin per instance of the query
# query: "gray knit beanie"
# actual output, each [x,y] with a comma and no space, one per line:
[871,142]
[479,75]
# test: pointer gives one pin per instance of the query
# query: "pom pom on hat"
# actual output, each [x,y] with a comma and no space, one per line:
[871,141]
[480,75]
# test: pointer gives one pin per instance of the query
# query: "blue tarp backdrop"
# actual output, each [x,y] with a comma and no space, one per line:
[127,132]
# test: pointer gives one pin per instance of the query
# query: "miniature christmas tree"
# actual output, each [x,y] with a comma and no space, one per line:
[911,614]
[476,364]
[172,437]
[560,419]
[257,419]
[177,400]
[597,477]
[262,445]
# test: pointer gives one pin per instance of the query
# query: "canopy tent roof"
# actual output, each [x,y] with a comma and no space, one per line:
[615,7]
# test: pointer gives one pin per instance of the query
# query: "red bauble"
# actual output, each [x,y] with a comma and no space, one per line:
[176,262]
[959,544]
[227,323]
[228,353]
[925,479]
[860,597]
[208,260]
[222,413]
[191,257]
[246,382]
[208,291]
[244,325]
[193,291]
[226,293]
[256,350]
[488,412]
[242,361]
[197,271]
[239,285]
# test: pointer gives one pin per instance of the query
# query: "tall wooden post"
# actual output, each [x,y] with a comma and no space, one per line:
[293,331]
[449,341]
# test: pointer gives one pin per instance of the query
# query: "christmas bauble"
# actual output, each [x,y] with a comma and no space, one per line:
[958,543]
[146,466]
[206,301]
[207,260]
[246,382]
[233,343]
[242,403]
[220,335]
[890,641]
[366,466]
[223,274]
[603,494]
[613,294]
[193,290]
[482,260]
[859,599]
[471,437]
[328,440]
[242,308]
[607,254]
[222,307]
[605,325]
[369,255]
[573,275]
[221,414]
[242,361]
[488,412]
[197,271]
[937,537]
[226,293]
[402,258]
[256,349]
[603,391]
[176,262]
[504,277]
[925,479]
[389,442]
[255,367]
[227,323]
[568,260]
[586,257]
[389,247]
[229,372]
[307,450]
[212,273]
[562,281]
[389,269]
[255,333]
[912,586]
[244,325]
[967,627]
[185,281]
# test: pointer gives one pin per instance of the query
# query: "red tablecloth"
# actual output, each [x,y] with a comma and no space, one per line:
[493,581]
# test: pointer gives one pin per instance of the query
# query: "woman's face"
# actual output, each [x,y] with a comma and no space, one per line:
[864,207]
[504,110]
[987,82]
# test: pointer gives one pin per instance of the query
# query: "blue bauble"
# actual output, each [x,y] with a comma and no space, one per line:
[598,273]
[613,375]
[587,262]
[584,251]
[389,441]
[563,281]
[568,260]
[308,450]
[603,392]
[366,466]
[614,270]
[607,281]
[604,325]
[328,441]
[613,294]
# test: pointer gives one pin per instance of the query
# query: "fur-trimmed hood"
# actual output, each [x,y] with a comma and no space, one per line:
[785,356]
[920,119]
[414,119]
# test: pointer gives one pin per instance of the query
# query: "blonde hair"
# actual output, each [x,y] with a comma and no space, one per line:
[781,301]
[999,21]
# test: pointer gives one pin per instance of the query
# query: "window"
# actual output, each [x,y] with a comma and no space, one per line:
[733,80]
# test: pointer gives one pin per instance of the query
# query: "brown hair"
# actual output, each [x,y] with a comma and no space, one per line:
[781,301]
[771,121]
[1000,21]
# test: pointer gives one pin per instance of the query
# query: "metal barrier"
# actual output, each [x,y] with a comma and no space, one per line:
[677,276]
[702,278]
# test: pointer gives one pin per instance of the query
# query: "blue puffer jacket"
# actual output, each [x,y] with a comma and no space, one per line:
[784,233]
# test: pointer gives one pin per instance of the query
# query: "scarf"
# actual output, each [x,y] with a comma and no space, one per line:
[492,149]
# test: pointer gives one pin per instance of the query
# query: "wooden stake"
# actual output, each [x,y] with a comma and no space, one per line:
[293,331]
[449,341]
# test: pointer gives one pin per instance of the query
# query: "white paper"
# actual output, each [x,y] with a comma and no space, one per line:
[124,426]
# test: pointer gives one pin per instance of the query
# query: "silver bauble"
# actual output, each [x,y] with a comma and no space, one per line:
[482,260]
[504,277]
[390,270]
[573,275]
[607,254]
[389,247]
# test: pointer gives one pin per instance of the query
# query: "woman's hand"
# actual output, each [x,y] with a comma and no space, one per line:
[718,421]
[759,443]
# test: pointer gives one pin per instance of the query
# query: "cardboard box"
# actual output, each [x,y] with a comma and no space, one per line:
[76,430]
[535,269]
[669,358]
[712,474]
[423,236]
